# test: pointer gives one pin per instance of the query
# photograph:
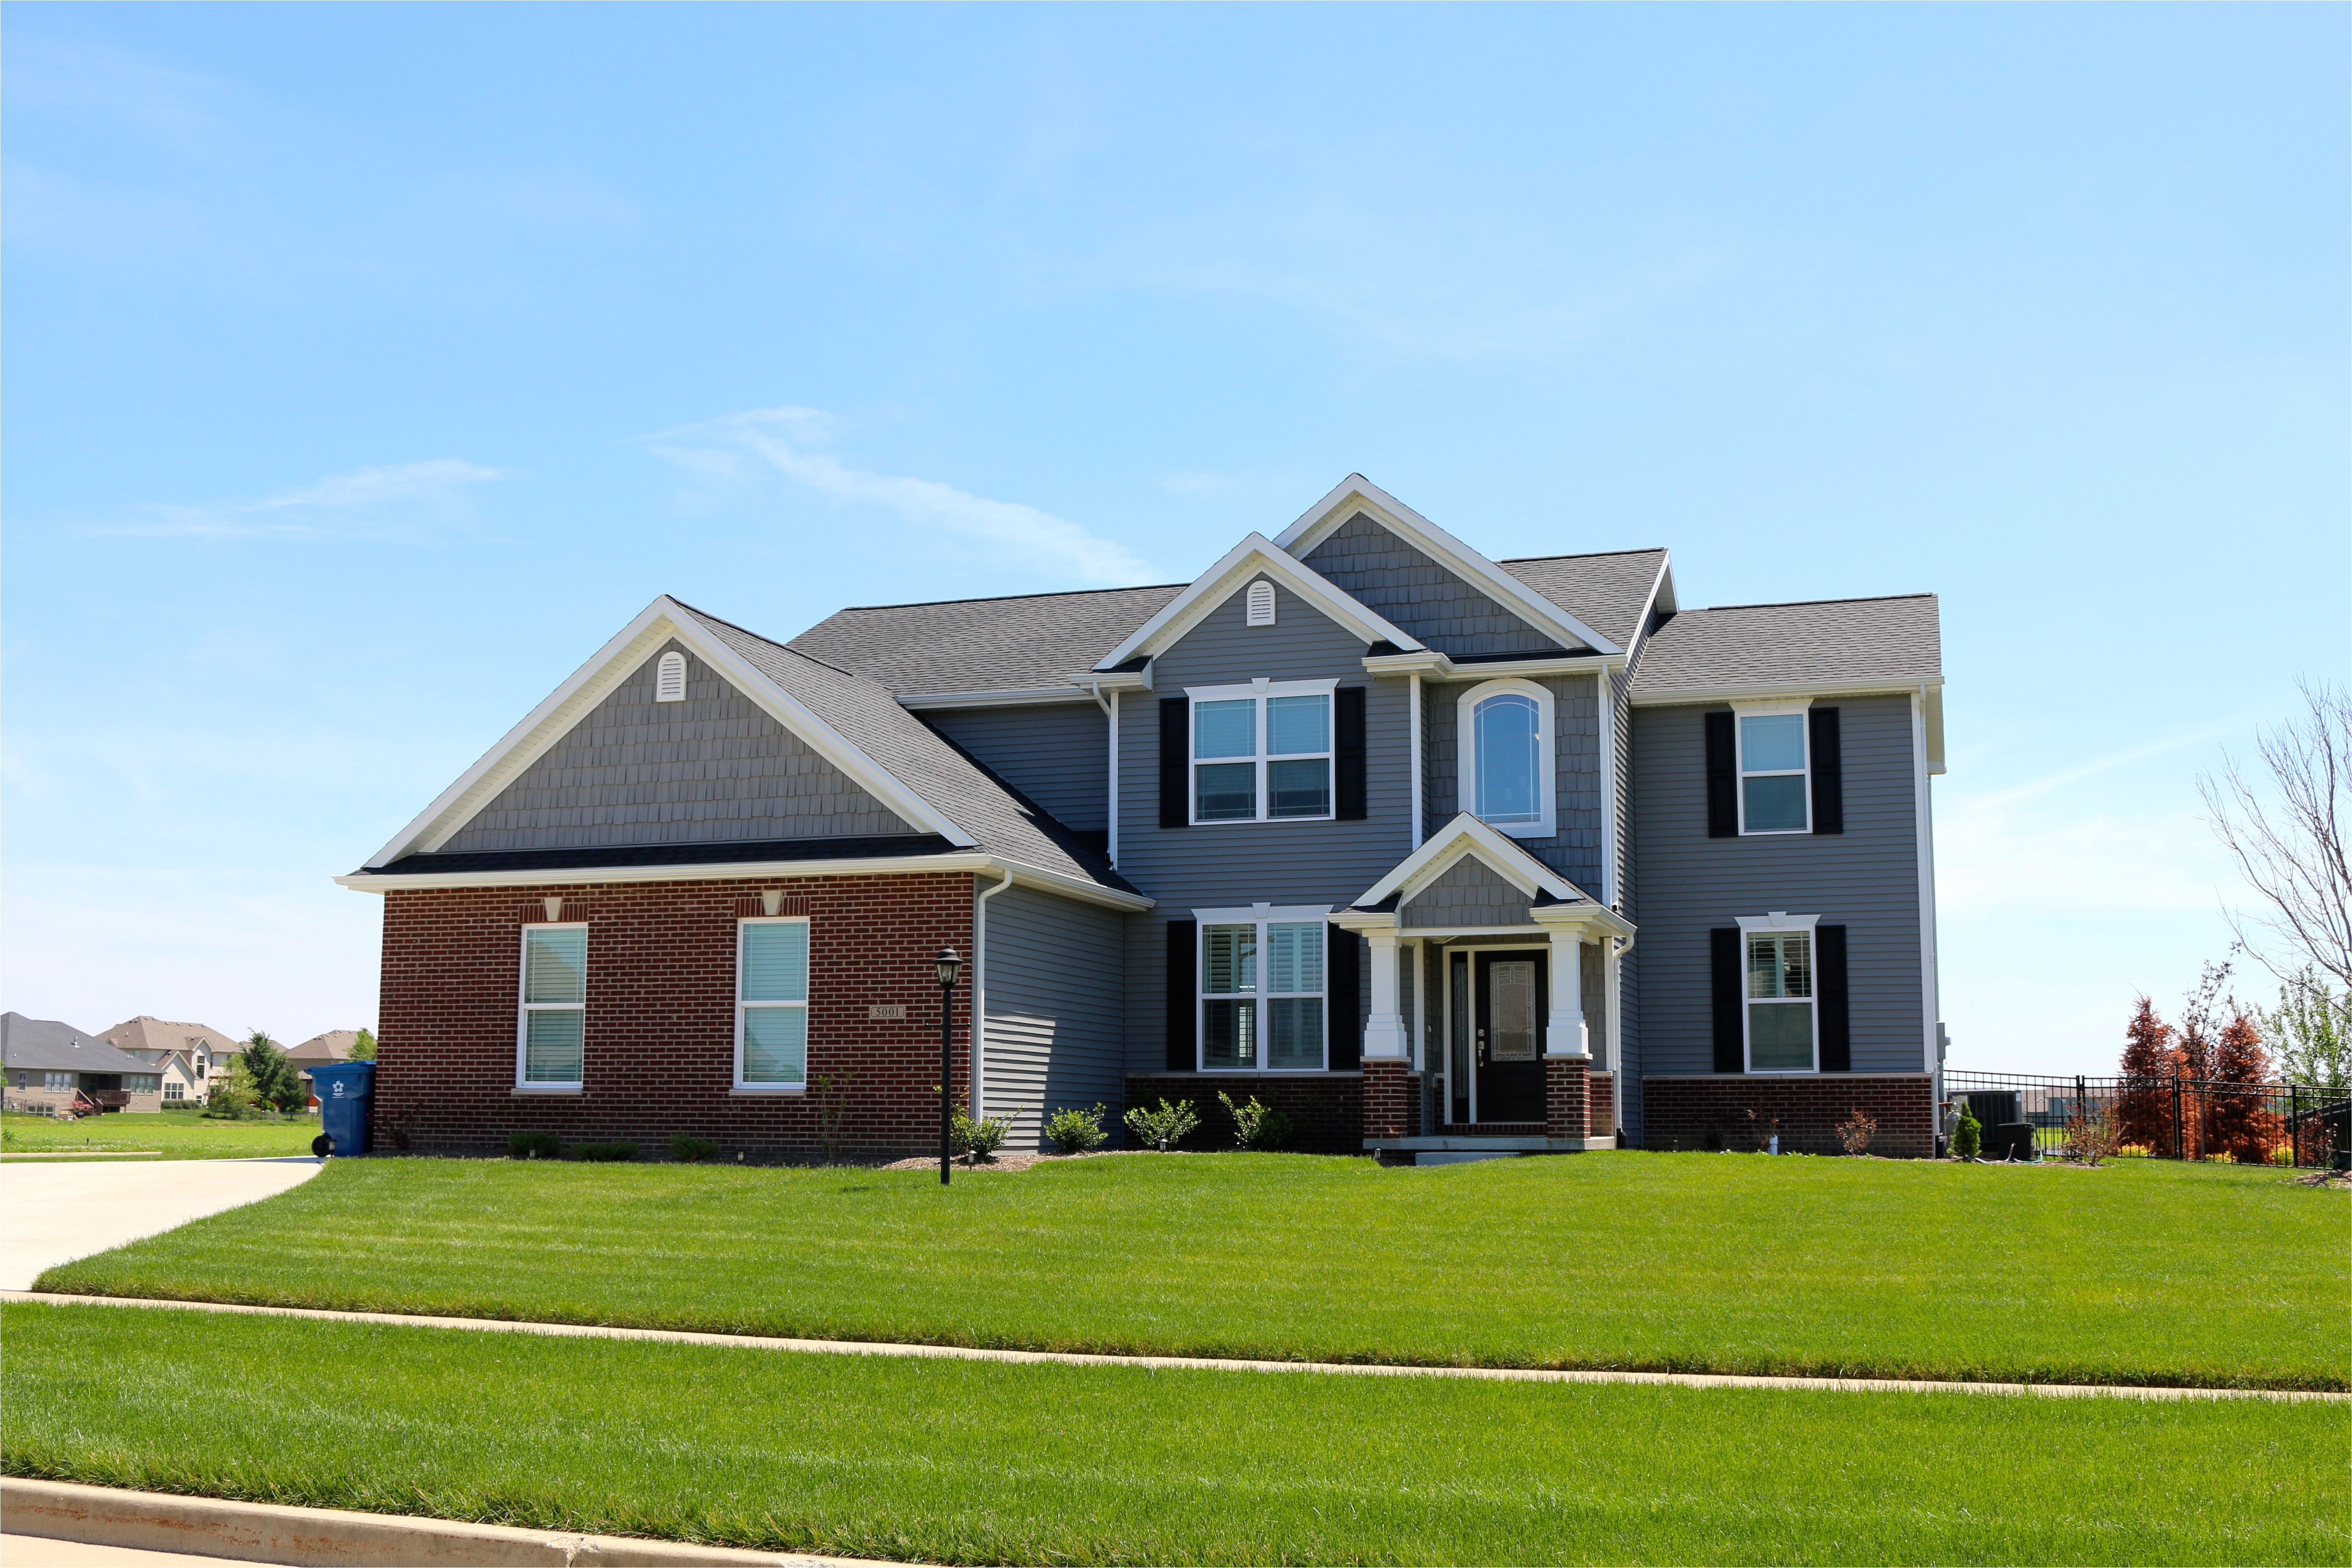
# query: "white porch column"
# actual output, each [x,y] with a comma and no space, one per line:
[1566,1035]
[1384,1035]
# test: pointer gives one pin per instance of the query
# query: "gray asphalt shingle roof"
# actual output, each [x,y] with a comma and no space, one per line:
[1607,590]
[1822,642]
[44,1045]
[869,717]
[981,645]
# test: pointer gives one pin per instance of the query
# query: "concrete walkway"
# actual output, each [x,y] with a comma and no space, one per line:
[1193,1363]
[54,1214]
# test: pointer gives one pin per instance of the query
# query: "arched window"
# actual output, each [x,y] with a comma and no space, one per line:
[669,677]
[1505,747]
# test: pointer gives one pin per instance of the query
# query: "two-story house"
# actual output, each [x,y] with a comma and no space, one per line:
[1447,857]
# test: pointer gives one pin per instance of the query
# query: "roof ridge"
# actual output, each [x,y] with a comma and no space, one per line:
[1793,604]
[1001,598]
[1580,555]
[779,646]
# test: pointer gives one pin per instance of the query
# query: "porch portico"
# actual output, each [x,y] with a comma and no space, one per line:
[1492,1029]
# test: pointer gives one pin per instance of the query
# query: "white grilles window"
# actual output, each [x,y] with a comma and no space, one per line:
[1262,753]
[1774,797]
[772,967]
[1262,997]
[1780,1002]
[58,1080]
[1507,752]
[554,1006]
[669,677]
[1261,603]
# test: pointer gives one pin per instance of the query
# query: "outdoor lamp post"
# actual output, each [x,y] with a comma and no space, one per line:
[949,966]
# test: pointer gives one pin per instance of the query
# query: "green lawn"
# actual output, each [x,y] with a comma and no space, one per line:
[976,1462]
[2147,1272]
[180,1134]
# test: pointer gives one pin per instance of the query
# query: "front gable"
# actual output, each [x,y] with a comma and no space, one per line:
[1254,558]
[1417,591]
[1468,893]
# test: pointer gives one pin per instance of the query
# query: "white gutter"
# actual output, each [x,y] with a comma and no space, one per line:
[1414,840]
[979,988]
[569,877]
[1931,1000]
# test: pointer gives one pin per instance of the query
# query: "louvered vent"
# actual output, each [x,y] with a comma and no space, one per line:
[1261,603]
[669,677]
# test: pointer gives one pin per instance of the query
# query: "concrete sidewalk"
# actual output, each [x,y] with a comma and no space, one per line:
[54,1214]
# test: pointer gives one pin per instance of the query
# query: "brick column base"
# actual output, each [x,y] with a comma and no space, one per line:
[1567,1086]
[1392,1098]
[1601,1109]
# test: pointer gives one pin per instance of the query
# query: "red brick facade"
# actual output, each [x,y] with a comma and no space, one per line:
[660,1018]
[1710,1111]
[1391,1099]
[1324,1109]
[1567,1083]
[1601,1104]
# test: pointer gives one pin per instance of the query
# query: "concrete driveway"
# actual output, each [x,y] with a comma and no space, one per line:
[53,1214]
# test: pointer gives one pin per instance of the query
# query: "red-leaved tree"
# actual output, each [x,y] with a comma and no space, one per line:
[2241,1122]
[2144,1104]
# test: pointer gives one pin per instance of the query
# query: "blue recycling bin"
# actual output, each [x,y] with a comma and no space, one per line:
[345,1090]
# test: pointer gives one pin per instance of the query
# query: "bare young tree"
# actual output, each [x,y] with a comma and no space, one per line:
[2288,839]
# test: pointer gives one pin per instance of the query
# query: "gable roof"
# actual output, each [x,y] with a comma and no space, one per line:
[1466,836]
[1030,642]
[1255,556]
[1609,591]
[45,1045]
[1817,645]
[151,1034]
[334,1046]
[1356,493]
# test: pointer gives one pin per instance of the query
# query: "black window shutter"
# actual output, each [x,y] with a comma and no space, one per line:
[1175,761]
[1347,754]
[1722,779]
[1342,1008]
[1829,995]
[1183,957]
[1829,772]
[1730,1038]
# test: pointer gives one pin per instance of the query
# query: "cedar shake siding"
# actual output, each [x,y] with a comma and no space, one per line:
[1469,893]
[660,1016]
[1574,851]
[1410,590]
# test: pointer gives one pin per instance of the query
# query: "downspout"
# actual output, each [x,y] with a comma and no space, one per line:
[980,984]
[1415,836]
[1923,808]
[1111,711]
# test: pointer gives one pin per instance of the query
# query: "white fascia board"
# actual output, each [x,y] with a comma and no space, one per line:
[582,876]
[1496,669]
[548,724]
[1254,554]
[1466,834]
[1026,697]
[1587,917]
[1935,701]
[1661,597]
[1766,693]
[1356,493]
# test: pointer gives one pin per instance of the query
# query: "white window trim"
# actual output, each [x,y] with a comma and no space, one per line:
[1778,921]
[523,1010]
[1259,690]
[741,1086]
[1261,916]
[1465,735]
[1740,710]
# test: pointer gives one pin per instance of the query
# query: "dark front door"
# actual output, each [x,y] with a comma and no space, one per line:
[1512,1002]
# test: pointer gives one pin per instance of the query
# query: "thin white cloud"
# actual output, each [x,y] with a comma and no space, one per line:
[434,478]
[782,438]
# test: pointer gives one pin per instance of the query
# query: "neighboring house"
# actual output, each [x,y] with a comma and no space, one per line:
[1445,856]
[52,1067]
[334,1046]
[187,1057]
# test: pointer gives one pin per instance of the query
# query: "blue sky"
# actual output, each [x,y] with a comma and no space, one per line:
[369,367]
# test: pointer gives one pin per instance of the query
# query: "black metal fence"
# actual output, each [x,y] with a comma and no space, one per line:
[2171,1118]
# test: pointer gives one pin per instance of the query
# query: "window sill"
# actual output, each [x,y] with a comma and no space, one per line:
[763,1092]
[558,1089]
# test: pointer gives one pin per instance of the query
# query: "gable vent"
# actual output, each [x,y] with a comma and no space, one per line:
[1261,603]
[669,677]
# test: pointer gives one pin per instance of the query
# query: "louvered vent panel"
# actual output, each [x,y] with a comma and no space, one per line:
[669,677]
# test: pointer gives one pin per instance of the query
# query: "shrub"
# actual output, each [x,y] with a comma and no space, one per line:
[1164,1126]
[2132,1151]
[605,1153]
[692,1150]
[1075,1132]
[1256,1125]
[2091,1138]
[2283,1156]
[534,1146]
[1967,1134]
[978,1139]
[272,1078]
[1854,1132]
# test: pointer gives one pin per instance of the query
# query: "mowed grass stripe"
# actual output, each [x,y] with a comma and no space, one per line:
[989,1462]
[177,1135]
[2145,1273]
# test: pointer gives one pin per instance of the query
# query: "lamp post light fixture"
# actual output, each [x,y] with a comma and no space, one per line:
[949,966]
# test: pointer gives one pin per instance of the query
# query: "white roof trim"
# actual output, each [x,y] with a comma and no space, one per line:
[589,876]
[1670,697]
[1465,836]
[1356,493]
[661,621]
[1252,555]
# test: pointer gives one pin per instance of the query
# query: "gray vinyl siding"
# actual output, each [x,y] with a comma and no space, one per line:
[1575,849]
[1866,878]
[1055,1010]
[1470,893]
[1057,754]
[1416,593]
[1217,865]
[1629,982]
[713,767]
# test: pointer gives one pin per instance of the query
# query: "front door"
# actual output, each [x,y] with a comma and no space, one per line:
[1511,1003]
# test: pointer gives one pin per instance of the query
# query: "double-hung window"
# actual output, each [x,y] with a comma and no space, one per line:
[1775,791]
[554,1027]
[1262,990]
[1262,753]
[57,1080]
[1505,746]
[772,969]
[1780,1002]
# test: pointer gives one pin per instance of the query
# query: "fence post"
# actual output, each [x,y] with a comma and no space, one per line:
[2294,1121]
[2176,1146]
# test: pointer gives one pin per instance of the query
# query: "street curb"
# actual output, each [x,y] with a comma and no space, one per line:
[1197,1363]
[337,1538]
